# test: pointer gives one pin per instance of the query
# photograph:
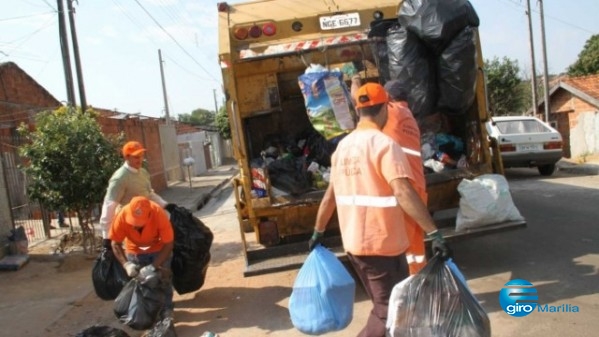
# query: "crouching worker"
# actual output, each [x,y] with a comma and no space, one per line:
[142,240]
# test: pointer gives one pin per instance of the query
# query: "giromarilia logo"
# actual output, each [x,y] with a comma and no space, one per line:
[519,298]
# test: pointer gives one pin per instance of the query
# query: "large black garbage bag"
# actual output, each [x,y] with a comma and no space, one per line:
[437,22]
[163,328]
[457,73]
[108,276]
[138,304]
[412,65]
[191,253]
[378,34]
[436,302]
[102,331]
[290,175]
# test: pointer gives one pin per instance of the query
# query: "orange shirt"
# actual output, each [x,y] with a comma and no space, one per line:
[370,219]
[150,239]
[403,128]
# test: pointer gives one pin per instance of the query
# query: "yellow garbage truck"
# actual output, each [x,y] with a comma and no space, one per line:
[283,60]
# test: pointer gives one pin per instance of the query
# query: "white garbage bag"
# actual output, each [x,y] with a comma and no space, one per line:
[485,200]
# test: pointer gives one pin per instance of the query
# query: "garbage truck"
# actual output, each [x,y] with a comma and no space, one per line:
[282,138]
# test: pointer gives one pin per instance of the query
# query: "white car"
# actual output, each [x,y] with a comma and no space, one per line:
[526,142]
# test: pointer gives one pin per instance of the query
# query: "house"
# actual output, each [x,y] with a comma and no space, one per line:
[574,112]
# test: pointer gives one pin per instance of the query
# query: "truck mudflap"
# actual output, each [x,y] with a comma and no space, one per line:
[292,255]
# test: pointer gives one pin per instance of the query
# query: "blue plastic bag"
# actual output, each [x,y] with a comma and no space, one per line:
[322,298]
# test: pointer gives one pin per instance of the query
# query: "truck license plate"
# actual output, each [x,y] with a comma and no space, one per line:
[339,21]
[530,147]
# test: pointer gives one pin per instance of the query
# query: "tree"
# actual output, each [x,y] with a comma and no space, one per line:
[222,123]
[69,163]
[503,86]
[198,117]
[588,59]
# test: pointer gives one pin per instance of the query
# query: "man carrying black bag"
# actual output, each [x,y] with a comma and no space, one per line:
[142,241]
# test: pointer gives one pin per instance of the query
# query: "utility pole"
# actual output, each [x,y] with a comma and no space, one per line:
[545,67]
[215,104]
[66,58]
[168,118]
[76,55]
[533,80]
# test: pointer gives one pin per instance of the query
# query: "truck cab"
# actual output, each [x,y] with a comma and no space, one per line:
[264,47]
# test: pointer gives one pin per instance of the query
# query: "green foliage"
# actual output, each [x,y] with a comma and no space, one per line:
[588,59]
[222,123]
[69,160]
[503,86]
[198,117]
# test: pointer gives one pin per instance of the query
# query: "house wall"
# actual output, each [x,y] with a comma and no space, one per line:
[193,143]
[581,134]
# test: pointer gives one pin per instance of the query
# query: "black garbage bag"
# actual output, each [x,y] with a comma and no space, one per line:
[316,147]
[412,65]
[457,73]
[163,328]
[191,252]
[437,22]
[378,34]
[108,276]
[290,175]
[139,304]
[102,331]
[436,302]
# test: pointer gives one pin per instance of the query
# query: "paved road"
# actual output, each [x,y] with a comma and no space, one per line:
[558,252]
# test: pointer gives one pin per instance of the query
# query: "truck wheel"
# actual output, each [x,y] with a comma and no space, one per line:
[546,170]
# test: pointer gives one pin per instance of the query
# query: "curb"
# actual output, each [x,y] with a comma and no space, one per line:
[206,197]
[588,169]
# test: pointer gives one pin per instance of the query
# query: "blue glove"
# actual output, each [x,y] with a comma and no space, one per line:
[439,245]
[315,239]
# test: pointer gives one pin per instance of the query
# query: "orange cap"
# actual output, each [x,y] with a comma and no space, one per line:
[133,148]
[137,212]
[371,94]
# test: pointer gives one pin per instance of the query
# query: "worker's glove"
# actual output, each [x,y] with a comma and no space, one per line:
[149,276]
[131,268]
[147,271]
[439,246]
[315,239]
[107,243]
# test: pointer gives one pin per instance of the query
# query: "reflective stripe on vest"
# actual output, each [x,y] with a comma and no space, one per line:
[411,152]
[366,200]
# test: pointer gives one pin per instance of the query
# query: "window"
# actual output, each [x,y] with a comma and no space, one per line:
[521,126]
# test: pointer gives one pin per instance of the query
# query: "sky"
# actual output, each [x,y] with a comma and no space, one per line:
[119,42]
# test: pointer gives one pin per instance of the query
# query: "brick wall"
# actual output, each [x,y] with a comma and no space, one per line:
[21,97]
[145,131]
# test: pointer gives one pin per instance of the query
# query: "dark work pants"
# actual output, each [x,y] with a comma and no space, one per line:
[379,274]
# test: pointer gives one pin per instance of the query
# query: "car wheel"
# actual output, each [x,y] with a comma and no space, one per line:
[546,170]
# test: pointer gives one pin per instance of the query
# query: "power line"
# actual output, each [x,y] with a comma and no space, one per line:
[521,5]
[175,40]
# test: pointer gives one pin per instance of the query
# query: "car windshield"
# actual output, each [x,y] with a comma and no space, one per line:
[521,126]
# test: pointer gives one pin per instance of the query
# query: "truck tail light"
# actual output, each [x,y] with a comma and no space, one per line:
[269,29]
[507,147]
[552,145]
[241,33]
[255,31]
